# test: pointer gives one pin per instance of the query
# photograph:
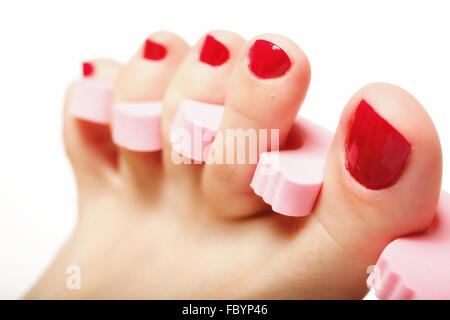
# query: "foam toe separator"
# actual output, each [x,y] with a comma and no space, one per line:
[136,125]
[417,266]
[194,127]
[91,101]
[291,180]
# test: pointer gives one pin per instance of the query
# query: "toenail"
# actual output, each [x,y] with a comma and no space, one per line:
[213,52]
[375,151]
[153,50]
[88,69]
[267,60]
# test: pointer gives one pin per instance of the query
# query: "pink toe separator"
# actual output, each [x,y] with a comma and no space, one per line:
[194,127]
[91,101]
[136,125]
[417,266]
[288,180]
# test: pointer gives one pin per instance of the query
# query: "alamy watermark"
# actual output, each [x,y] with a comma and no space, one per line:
[234,146]
[73,281]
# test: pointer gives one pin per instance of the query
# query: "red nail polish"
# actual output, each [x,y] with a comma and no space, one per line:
[153,50]
[267,60]
[88,69]
[213,52]
[376,151]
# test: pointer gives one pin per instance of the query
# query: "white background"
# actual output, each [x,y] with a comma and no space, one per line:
[349,44]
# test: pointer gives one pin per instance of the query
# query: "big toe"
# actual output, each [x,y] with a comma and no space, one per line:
[382,179]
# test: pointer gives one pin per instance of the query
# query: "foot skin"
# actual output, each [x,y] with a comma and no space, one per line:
[151,229]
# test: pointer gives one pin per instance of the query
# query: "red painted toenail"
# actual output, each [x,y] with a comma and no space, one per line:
[213,52]
[376,151]
[88,69]
[267,60]
[153,50]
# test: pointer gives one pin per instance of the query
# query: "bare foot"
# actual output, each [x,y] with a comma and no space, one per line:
[151,229]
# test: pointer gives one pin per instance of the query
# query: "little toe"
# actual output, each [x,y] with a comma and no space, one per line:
[86,131]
